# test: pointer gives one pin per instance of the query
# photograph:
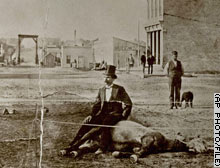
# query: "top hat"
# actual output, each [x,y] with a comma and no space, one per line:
[110,71]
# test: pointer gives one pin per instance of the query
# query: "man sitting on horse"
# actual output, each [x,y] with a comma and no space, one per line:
[111,106]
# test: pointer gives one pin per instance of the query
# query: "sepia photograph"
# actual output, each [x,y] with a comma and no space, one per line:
[110,83]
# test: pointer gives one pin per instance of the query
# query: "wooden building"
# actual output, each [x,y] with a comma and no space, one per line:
[77,56]
[49,60]
[116,51]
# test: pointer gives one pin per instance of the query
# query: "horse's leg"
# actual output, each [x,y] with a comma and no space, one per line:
[85,150]
[121,154]
[82,131]
[79,142]
[85,129]
[123,150]
[147,143]
[87,136]
[191,103]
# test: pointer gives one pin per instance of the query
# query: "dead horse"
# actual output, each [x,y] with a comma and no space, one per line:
[131,139]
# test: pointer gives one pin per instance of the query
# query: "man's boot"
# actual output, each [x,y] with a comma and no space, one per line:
[176,105]
[171,105]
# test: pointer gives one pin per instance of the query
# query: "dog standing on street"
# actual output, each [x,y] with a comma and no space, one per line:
[188,98]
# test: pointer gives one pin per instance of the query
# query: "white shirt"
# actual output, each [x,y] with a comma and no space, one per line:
[175,62]
[108,92]
[167,66]
[166,69]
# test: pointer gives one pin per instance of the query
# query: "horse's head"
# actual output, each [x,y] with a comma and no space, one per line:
[153,141]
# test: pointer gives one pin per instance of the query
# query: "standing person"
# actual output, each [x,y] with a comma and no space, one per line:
[130,62]
[74,64]
[107,110]
[143,62]
[150,61]
[174,70]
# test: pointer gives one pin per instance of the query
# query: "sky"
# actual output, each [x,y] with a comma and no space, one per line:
[59,18]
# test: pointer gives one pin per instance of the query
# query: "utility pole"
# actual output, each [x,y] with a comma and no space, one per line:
[75,38]
[138,45]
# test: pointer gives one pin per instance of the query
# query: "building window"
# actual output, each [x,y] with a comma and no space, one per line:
[68,59]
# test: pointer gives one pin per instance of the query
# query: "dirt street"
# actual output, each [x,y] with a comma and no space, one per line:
[69,94]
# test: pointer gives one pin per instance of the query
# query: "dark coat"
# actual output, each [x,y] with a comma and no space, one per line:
[119,95]
[143,59]
[150,60]
[175,71]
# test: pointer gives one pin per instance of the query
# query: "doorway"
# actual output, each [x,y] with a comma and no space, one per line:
[80,61]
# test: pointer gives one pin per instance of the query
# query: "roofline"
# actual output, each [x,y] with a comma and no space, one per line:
[129,41]
[76,47]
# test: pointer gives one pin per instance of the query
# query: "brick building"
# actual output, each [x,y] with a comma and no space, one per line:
[191,27]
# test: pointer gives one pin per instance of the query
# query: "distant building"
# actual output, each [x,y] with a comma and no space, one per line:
[49,60]
[191,27]
[67,53]
[115,51]
[6,53]
[77,56]
[50,50]
[8,48]
[56,52]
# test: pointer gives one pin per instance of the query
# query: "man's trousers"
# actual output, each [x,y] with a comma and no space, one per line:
[110,115]
[174,87]
[150,69]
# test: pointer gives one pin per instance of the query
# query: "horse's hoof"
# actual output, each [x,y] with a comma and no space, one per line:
[74,154]
[136,149]
[116,154]
[62,152]
[12,111]
[133,158]
[5,111]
